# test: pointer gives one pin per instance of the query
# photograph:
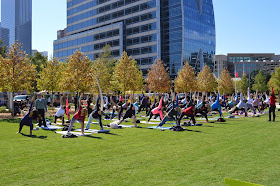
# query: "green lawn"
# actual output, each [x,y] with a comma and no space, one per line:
[246,149]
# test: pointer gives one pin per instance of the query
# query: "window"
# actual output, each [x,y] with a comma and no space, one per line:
[136,51]
[116,43]
[129,31]
[129,42]
[120,13]
[115,32]
[144,50]
[144,28]
[128,11]
[109,34]
[144,39]
[135,9]
[135,30]
[136,40]
[143,6]
[102,35]
[135,19]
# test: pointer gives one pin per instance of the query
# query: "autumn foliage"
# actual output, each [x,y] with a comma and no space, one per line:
[225,82]
[206,81]
[186,79]
[158,78]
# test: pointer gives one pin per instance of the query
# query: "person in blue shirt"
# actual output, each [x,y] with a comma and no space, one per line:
[28,118]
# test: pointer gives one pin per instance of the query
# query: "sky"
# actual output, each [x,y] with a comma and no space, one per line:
[242,26]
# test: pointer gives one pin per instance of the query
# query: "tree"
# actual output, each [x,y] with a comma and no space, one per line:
[125,72]
[100,70]
[158,78]
[40,62]
[243,84]
[76,74]
[225,82]
[2,49]
[107,58]
[50,76]
[138,81]
[16,72]
[275,80]
[206,80]
[186,80]
[260,82]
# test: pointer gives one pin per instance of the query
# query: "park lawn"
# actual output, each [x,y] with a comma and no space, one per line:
[245,149]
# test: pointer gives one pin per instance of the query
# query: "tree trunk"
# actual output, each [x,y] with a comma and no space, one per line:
[13,104]
[52,102]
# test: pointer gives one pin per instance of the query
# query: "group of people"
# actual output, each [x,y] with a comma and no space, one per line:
[168,107]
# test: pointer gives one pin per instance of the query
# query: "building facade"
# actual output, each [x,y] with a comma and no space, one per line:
[176,31]
[16,23]
[245,63]
[44,53]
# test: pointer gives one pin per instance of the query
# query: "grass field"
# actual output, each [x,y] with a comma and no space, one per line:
[245,149]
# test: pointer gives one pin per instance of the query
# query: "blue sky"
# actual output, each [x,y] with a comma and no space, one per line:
[241,25]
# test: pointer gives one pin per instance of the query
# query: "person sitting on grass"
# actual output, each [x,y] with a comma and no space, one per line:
[78,116]
[95,114]
[61,111]
[28,118]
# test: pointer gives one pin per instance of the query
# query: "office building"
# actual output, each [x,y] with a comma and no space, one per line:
[16,23]
[221,63]
[44,53]
[176,31]
[245,63]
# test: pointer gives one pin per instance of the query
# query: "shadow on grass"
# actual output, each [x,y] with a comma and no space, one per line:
[192,130]
[34,136]
[112,134]
[88,136]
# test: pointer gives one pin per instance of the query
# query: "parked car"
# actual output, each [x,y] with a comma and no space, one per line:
[24,98]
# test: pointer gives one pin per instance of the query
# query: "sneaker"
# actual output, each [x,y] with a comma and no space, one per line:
[86,129]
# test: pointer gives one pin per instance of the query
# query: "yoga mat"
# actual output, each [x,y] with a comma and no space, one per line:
[93,131]
[156,127]
[203,119]
[155,119]
[146,122]
[127,126]
[75,133]
[51,127]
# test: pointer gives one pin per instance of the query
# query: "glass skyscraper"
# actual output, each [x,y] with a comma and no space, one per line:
[177,31]
[16,23]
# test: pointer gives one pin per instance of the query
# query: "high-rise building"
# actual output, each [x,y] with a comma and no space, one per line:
[176,31]
[16,23]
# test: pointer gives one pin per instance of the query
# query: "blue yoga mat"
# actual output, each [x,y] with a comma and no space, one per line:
[155,127]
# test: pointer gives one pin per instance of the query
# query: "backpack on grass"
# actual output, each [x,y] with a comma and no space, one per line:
[221,120]
[177,128]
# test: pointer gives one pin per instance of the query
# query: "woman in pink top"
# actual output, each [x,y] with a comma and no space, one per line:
[78,116]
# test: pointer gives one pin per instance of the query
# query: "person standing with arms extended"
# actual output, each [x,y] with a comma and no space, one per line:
[41,107]
[272,104]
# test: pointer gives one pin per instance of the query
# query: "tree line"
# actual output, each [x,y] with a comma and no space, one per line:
[19,72]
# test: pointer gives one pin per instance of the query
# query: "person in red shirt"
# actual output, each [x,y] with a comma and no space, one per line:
[78,116]
[190,112]
[272,105]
